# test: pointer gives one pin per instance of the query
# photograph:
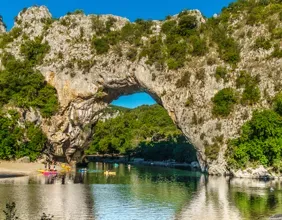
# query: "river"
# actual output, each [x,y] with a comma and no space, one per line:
[140,193]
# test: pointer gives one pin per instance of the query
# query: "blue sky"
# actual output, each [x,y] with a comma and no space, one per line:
[146,9]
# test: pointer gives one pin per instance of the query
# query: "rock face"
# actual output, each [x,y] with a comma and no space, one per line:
[2,26]
[87,82]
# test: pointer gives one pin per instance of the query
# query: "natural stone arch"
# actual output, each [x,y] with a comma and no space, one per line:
[85,90]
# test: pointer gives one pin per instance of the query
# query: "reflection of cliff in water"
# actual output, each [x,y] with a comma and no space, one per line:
[69,201]
[221,198]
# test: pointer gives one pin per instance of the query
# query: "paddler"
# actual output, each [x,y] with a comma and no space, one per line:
[54,165]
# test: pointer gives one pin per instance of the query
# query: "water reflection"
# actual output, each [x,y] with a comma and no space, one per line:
[140,193]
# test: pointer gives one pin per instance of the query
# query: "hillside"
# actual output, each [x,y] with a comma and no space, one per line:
[146,131]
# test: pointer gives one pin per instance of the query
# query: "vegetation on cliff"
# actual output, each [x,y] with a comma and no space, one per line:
[19,139]
[24,87]
[146,131]
[260,142]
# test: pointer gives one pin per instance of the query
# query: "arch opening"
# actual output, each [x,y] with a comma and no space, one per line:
[135,127]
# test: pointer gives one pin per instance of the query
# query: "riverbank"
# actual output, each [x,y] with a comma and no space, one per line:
[189,166]
[15,169]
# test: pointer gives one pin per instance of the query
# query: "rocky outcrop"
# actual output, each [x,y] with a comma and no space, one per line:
[2,26]
[87,82]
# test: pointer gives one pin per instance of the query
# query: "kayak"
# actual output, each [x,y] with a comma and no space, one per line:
[47,172]
[95,171]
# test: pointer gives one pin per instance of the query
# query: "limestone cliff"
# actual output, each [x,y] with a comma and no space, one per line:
[87,80]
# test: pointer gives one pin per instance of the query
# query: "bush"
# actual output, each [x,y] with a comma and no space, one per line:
[277,52]
[259,143]
[34,50]
[9,37]
[76,12]
[220,73]
[251,94]
[229,51]
[243,79]
[199,46]
[169,26]
[184,81]
[186,25]
[177,53]
[211,61]
[261,42]
[211,151]
[98,26]
[189,101]
[153,51]
[223,102]
[277,103]
[17,141]
[101,45]
[131,54]
[277,33]
[25,87]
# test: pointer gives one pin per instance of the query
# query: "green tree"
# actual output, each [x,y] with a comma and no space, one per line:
[223,102]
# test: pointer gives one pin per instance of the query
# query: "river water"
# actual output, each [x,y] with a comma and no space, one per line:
[140,193]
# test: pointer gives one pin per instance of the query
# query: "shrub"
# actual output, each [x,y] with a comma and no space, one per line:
[177,54]
[131,54]
[25,87]
[277,52]
[199,46]
[229,51]
[24,140]
[251,94]
[259,143]
[223,102]
[201,74]
[153,51]
[34,50]
[9,37]
[186,25]
[101,45]
[211,61]
[261,42]
[211,151]
[110,23]
[220,73]
[277,33]
[277,103]
[168,26]
[98,26]
[189,101]
[244,79]
[184,81]
[77,12]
